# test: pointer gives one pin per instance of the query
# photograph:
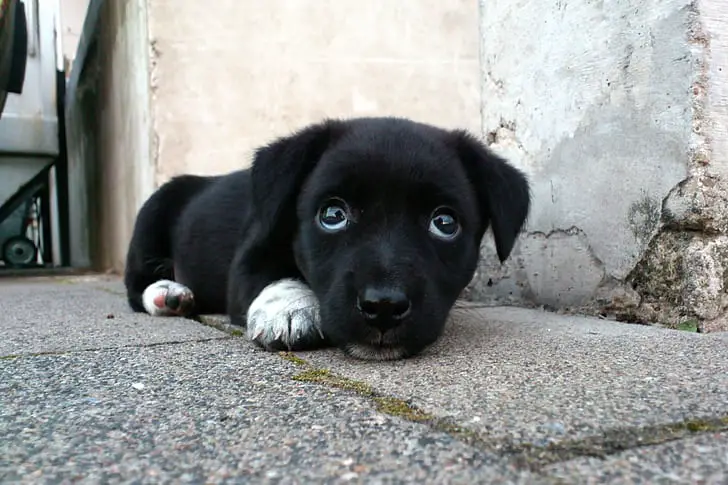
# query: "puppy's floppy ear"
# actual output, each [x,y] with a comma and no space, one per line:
[503,191]
[280,169]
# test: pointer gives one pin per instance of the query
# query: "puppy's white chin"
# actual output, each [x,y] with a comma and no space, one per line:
[371,352]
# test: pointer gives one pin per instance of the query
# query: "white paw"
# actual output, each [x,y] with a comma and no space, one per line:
[285,315]
[167,298]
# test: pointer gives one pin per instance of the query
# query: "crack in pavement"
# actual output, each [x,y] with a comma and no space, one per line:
[523,455]
[99,349]
[529,456]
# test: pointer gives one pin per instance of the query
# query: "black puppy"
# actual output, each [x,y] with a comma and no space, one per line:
[355,233]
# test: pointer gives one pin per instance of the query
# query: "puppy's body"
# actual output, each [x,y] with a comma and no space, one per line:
[187,232]
[358,233]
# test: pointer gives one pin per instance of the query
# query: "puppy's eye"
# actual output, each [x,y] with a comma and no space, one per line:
[444,224]
[333,216]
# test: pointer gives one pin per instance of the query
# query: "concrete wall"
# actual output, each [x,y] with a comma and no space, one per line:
[229,77]
[110,144]
[614,108]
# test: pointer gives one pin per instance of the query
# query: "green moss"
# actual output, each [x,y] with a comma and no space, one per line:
[236,333]
[401,409]
[326,377]
[293,358]
[688,326]
[697,427]
[701,426]
[385,404]
[319,376]
[36,354]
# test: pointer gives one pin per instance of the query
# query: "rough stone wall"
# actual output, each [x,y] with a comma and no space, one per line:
[617,111]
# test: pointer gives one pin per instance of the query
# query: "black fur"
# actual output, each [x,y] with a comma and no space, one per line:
[228,237]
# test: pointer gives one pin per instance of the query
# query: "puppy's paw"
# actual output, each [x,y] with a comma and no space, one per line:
[168,298]
[285,316]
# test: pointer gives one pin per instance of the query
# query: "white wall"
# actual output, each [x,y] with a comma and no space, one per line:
[231,76]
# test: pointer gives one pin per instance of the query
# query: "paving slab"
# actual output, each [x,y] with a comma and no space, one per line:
[702,459]
[507,396]
[517,376]
[80,313]
[209,412]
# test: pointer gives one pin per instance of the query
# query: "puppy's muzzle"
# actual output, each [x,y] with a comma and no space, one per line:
[383,308]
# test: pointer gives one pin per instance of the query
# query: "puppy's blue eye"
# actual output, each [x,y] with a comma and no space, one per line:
[444,224]
[333,216]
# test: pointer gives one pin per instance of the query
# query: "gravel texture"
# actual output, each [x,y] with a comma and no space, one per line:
[80,313]
[91,392]
[526,376]
[702,460]
[204,412]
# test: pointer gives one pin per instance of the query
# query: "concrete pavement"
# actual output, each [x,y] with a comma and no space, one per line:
[92,392]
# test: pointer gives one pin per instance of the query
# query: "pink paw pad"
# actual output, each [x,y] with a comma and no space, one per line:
[166,297]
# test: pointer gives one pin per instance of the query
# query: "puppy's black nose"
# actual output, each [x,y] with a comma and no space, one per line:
[384,308]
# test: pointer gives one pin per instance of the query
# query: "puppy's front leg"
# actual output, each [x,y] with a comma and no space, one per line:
[266,295]
[285,316]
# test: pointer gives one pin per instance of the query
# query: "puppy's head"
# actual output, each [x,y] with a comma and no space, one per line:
[386,217]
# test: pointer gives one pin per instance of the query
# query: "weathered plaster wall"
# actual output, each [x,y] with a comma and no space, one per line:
[232,75]
[615,109]
[109,135]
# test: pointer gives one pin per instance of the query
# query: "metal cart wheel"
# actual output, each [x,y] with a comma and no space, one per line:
[19,251]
